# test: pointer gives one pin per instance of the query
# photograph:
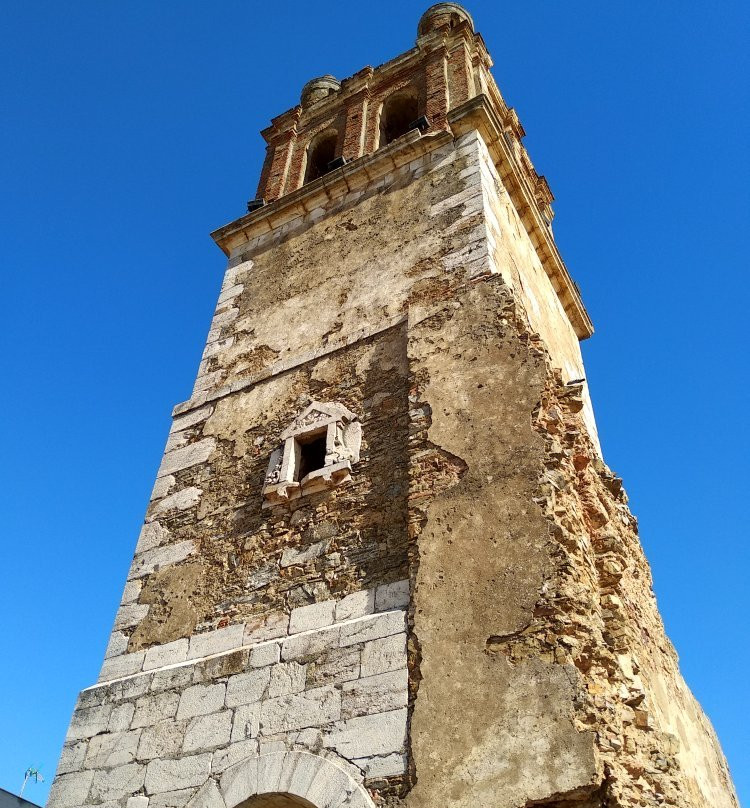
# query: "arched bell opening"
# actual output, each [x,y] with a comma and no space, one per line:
[320,152]
[399,114]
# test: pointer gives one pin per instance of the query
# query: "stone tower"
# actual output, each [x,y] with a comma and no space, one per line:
[383,563]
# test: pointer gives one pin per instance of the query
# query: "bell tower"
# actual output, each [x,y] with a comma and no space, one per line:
[383,563]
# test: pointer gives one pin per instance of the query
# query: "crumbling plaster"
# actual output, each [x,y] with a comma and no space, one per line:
[533,614]
[483,557]
[457,221]
[327,282]
[236,570]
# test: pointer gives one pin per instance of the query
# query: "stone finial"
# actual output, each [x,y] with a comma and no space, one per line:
[318,89]
[443,15]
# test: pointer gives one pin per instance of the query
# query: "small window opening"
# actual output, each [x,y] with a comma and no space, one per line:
[399,112]
[312,455]
[320,153]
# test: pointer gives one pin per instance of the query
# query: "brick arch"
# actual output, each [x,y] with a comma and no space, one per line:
[315,781]
[403,100]
[328,140]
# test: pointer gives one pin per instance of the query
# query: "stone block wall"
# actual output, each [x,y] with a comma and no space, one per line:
[338,688]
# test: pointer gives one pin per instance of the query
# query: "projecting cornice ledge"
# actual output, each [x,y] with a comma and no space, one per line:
[354,176]
[478,113]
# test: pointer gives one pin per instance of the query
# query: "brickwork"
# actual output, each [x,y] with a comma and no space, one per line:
[444,70]
[460,80]
[273,177]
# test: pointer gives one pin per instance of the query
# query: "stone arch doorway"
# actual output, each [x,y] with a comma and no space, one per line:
[293,779]
[276,801]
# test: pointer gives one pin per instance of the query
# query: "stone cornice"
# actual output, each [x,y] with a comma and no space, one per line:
[350,177]
[283,366]
[478,113]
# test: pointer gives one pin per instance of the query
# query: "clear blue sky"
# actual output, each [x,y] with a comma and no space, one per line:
[130,130]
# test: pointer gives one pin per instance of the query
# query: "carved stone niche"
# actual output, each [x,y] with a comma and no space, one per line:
[317,453]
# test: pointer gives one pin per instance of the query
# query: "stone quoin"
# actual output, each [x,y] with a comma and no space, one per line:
[384,563]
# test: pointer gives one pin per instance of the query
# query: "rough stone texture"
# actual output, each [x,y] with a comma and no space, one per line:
[304,646]
[191,455]
[246,722]
[392,596]
[284,778]
[121,717]
[152,560]
[468,620]
[71,789]
[89,721]
[159,655]
[263,655]
[112,784]
[319,706]
[217,560]
[118,643]
[500,545]
[374,694]
[240,750]
[201,700]
[72,756]
[358,604]
[208,732]
[526,639]
[162,740]
[112,749]
[287,678]
[174,775]
[370,735]
[172,799]
[116,667]
[383,655]
[316,615]
[216,641]
[372,628]
[246,688]
[152,709]
[152,535]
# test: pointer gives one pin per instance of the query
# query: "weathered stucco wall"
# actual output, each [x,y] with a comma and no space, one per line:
[516,258]
[533,614]
[333,310]
[325,281]
[483,723]
[250,560]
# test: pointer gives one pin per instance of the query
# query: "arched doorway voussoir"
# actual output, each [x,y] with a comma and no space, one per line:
[321,781]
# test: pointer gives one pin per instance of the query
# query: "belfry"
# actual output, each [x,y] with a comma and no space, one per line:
[384,563]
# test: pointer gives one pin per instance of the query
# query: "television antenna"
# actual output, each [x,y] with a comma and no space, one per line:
[31,773]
